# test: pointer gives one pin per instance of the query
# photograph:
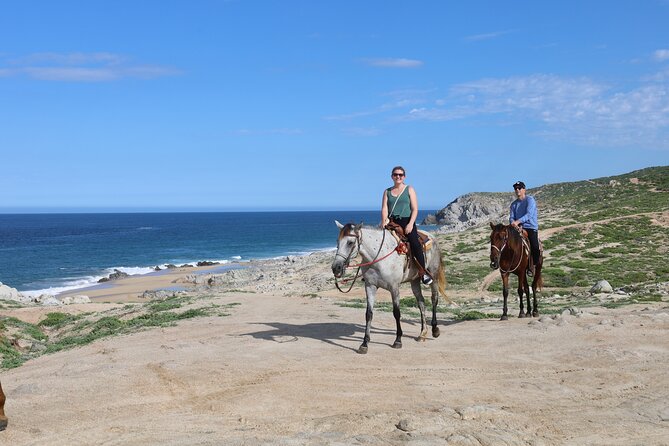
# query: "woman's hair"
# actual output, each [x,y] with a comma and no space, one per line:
[399,168]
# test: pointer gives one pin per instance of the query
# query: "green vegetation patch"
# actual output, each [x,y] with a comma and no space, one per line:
[472,315]
[58,331]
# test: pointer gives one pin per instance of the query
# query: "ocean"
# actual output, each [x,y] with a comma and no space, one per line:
[52,253]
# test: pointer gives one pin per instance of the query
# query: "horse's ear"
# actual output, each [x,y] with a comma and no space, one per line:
[492,226]
[339,225]
[358,226]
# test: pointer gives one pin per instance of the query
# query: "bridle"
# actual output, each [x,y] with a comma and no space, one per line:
[500,250]
[347,259]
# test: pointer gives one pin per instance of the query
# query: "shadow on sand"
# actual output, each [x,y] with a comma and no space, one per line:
[333,333]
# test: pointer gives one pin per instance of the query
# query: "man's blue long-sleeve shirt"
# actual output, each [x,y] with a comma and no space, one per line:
[525,211]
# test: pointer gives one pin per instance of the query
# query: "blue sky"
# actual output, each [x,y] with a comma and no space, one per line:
[261,105]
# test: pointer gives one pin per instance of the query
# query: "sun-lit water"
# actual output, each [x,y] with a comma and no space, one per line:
[56,252]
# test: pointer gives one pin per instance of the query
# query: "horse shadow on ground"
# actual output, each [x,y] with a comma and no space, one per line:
[334,333]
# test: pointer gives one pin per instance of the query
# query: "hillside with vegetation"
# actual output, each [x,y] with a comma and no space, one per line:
[612,228]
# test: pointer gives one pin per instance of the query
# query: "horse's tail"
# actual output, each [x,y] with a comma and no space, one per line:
[441,276]
[538,283]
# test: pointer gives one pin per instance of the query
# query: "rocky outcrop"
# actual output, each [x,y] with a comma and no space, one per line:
[471,210]
[117,274]
[8,293]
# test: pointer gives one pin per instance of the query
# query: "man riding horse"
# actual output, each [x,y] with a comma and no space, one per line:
[523,215]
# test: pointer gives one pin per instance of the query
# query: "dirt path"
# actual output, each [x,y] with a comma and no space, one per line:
[283,370]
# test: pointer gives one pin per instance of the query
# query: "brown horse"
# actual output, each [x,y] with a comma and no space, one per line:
[3,418]
[511,256]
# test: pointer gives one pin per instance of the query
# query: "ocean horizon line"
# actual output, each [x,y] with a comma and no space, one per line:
[83,211]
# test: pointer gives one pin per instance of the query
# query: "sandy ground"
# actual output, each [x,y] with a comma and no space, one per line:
[282,369]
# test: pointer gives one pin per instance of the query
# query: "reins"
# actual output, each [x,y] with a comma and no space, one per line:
[520,260]
[376,260]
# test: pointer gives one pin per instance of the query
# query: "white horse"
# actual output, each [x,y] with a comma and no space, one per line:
[383,267]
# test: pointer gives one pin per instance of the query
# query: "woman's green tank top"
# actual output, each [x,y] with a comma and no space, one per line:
[403,206]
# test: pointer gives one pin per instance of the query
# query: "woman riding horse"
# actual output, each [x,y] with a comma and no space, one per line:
[384,267]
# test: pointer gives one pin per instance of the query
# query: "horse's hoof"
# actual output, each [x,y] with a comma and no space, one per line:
[397,345]
[420,338]
[521,315]
[362,349]
[535,314]
[504,318]
[3,424]
[435,332]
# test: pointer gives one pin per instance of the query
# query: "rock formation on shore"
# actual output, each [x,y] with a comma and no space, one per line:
[470,210]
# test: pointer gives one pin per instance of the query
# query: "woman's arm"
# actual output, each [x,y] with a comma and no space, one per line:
[413,202]
[384,209]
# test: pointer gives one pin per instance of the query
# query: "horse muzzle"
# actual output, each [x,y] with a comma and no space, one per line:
[338,270]
[494,264]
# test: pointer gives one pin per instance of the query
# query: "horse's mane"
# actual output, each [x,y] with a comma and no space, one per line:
[515,234]
[348,227]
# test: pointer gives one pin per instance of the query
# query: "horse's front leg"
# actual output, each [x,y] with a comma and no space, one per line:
[505,293]
[3,418]
[370,291]
[395,294]
[527,296]
[522,284]
[415,287]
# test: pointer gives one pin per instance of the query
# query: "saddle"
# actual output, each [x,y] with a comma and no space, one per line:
[403,246]
[527,248]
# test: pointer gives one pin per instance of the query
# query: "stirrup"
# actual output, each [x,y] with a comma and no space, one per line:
[530,271]
[427,280]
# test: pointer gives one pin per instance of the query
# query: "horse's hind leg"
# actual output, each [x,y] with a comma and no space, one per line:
[370,290]
[395,294]
[520,297]
[435,301]
[536,284]
[3,418]
[527,296]
[415,287]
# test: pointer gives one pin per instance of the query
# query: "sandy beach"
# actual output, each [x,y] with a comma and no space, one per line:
[282,368]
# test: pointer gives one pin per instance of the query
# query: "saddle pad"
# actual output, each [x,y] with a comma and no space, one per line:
[425,240]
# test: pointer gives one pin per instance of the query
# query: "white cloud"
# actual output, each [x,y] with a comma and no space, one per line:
[393,63]
[576,109]
[487,36]
[68,59]
[81,67]
[661,55]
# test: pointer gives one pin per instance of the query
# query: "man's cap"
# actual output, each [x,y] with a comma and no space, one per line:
[519,185]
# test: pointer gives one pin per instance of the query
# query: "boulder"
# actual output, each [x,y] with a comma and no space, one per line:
[9,293]
[601,287]
[207,263]
[114,276]
[68,300]
[47,300]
